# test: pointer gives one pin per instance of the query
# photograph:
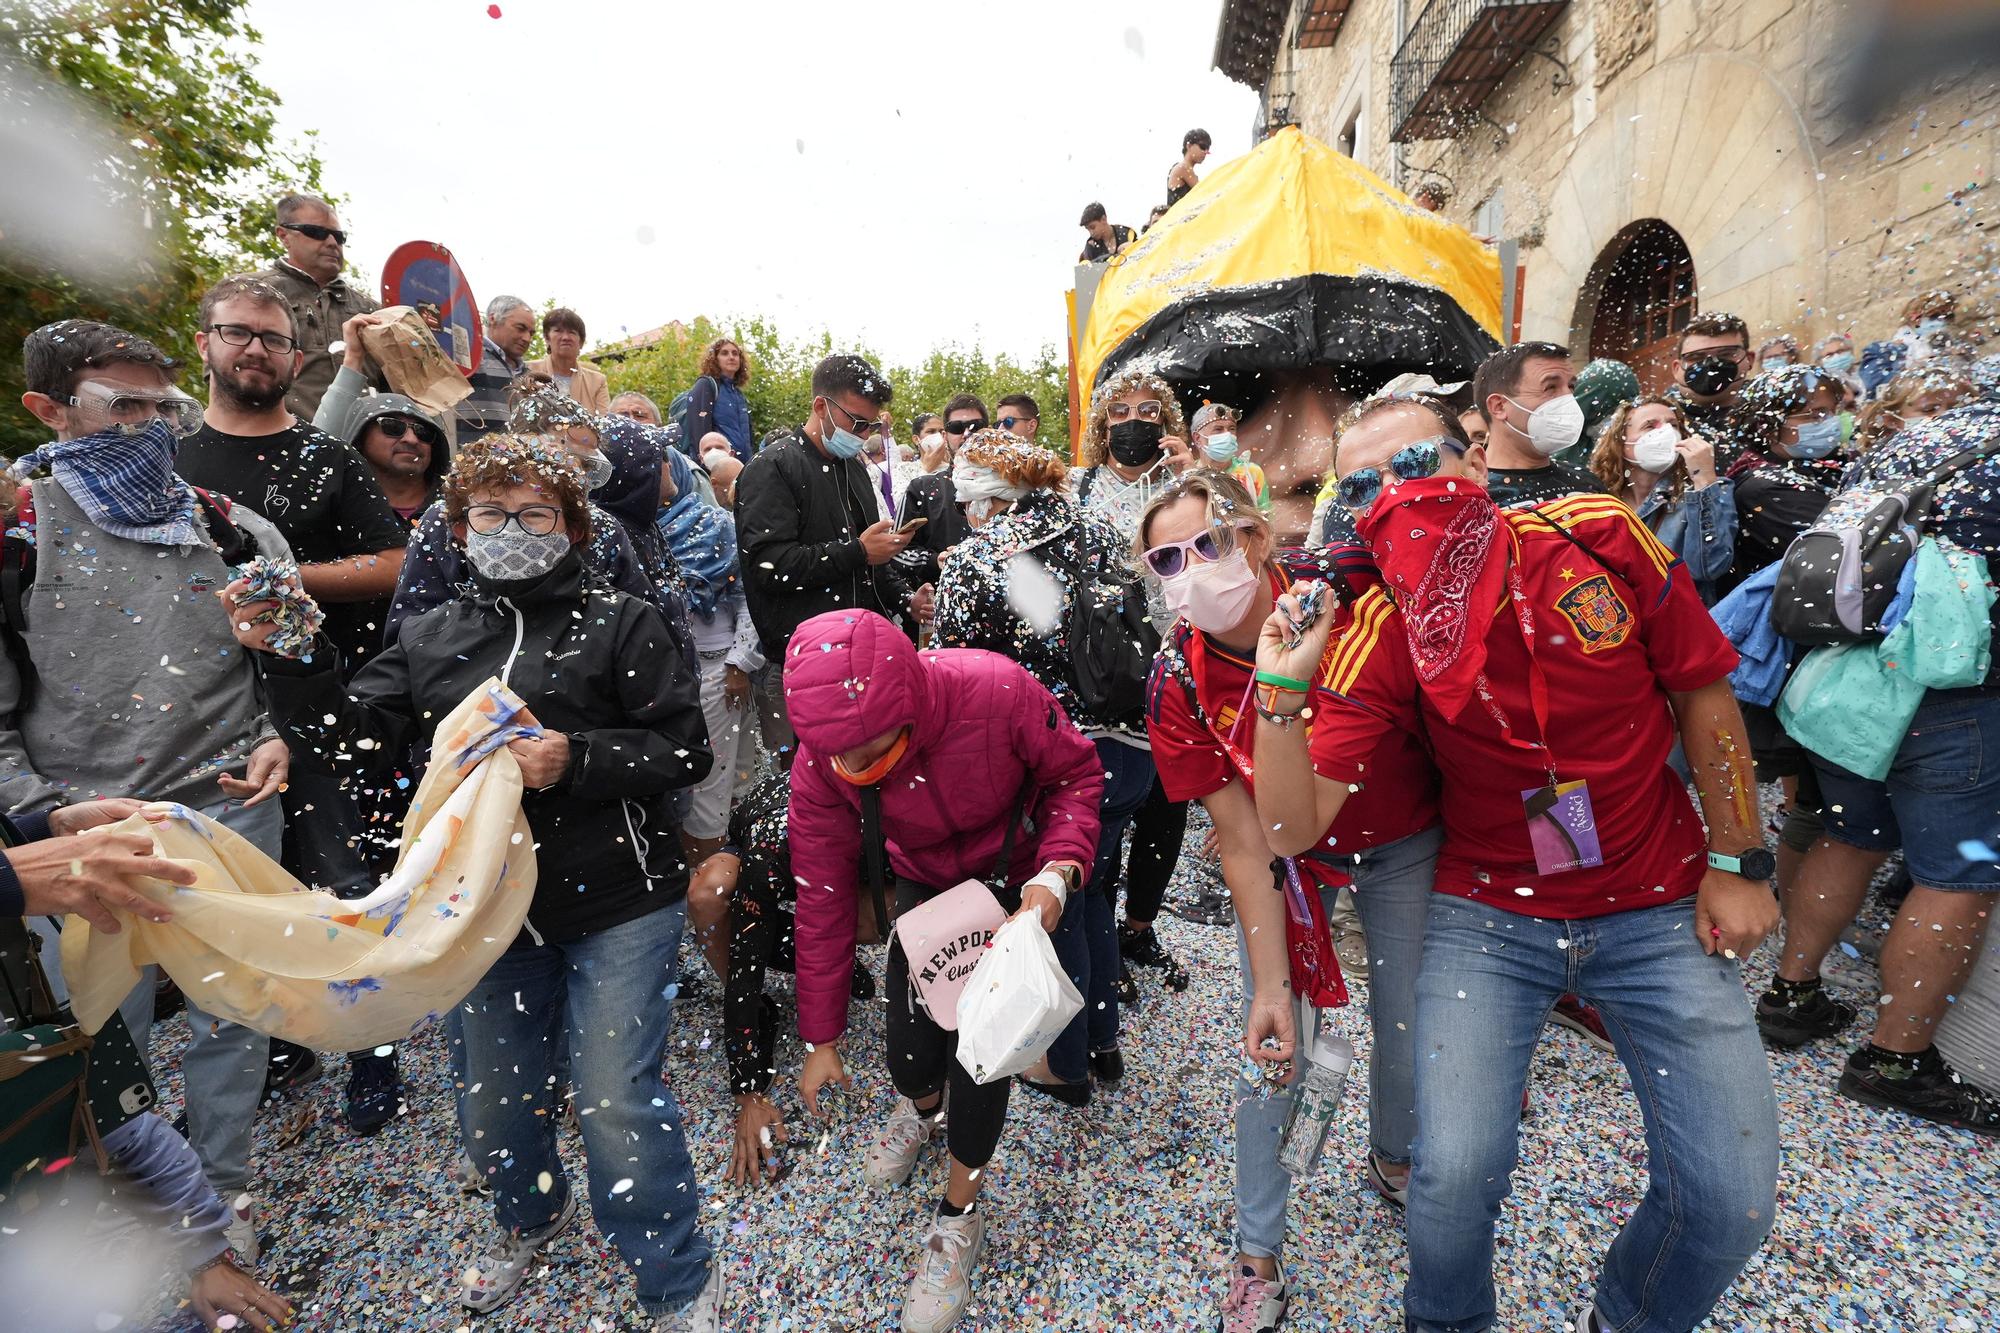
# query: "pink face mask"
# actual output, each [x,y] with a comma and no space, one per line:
[1214,595]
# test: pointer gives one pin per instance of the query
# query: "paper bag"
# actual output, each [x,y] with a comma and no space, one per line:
[412,362]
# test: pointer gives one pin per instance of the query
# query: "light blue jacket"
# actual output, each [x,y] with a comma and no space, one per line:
[1700,528]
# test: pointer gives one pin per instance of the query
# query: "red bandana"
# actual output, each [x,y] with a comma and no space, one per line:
[1436,540]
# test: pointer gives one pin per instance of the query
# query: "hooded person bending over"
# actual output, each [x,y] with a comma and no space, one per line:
[979,775]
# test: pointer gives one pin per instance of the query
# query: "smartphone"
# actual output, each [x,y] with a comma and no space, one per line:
[910,525]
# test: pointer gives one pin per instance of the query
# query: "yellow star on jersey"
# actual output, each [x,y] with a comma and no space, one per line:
[1568,574]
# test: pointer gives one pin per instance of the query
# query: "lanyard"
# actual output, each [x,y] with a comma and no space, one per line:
[1538,681]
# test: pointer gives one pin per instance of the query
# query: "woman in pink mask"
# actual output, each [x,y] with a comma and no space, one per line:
[967,767]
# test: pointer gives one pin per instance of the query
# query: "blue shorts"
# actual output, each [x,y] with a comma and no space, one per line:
[1941,800]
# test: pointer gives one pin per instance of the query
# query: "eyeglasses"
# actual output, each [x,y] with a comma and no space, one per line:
[1150,410]
[241,335]
[314,230]
[132,412]
[1008,423]
[964,427]
[862,428]
[395,428]
[1210,544]
[1359,488]
[535,520]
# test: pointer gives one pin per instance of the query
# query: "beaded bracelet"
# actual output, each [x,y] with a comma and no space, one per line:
[1275,718]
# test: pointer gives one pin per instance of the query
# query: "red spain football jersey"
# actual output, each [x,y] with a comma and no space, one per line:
[1618,626]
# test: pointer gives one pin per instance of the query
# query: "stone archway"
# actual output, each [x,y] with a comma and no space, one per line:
[1642,290]
[1710,145]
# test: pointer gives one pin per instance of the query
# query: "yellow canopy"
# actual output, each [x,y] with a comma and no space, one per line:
[1289,257]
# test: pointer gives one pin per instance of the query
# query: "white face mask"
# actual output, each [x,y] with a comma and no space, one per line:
[1654,451]
[1555,425]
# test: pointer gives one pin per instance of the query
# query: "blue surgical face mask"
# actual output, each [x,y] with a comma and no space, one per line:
[1220,448]
[842,443]
[1839,363]
[1774,362]
[1929,326]
[1816,439]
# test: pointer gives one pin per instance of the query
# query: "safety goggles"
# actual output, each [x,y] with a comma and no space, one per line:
[395,428]
[1358,489]
[314,230]
[132,412]
[535,520]
[1209,545]
[1150,410]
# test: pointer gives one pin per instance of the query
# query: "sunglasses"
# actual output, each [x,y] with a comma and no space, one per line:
[317,232]
[862,428]
[1008,423]
[1150,410]
[1210,544]
[1359,488]
[241,335]
[395,428]
[963,427]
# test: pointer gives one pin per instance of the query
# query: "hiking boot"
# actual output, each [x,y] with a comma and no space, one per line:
[1253,1304]
[894,1153]
[1931,1091]
[291,1066]
[374,1090]
[1144,948]
[495,1277]
[1128,985]
[240,1231]
[704,1313]
[1582,1019]
[943,1287]
[1806,1016]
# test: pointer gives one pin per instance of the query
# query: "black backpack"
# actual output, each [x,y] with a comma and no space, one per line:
[1112,637]
[1838,579]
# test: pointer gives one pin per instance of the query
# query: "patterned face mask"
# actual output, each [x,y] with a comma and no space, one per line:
[511,554]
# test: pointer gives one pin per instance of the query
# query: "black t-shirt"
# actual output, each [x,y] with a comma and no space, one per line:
[1096,251]
[1532,485]
[320,494]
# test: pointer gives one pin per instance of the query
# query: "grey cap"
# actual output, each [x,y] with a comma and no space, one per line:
[1210,412]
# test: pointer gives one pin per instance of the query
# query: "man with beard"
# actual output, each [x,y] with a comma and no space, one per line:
[323,497]
[309,277]
[1711,365]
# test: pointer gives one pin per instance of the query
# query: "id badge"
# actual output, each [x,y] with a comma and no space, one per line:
[1562,827]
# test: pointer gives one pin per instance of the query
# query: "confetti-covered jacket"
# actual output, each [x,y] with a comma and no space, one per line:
[1007,589]
[988,744]
[597,666]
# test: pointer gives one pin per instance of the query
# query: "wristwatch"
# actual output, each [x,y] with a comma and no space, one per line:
[1755,863]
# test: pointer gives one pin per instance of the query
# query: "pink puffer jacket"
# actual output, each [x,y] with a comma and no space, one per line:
[982,733]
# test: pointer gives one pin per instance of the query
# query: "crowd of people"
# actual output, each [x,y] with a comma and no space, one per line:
[1490,741]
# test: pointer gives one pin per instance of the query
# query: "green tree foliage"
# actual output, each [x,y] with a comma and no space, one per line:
[780,388]
[175,81]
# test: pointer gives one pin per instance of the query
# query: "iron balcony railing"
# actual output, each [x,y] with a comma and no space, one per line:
[1455,56]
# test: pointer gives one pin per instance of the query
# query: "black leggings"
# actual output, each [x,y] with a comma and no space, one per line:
[922,1061]
[1157,832]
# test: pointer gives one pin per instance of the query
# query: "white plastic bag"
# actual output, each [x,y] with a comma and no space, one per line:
[1017,1001]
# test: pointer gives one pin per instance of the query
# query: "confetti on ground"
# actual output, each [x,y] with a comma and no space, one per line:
[1118,1216]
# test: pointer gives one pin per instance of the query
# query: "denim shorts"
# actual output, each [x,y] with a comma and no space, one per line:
[1941,800]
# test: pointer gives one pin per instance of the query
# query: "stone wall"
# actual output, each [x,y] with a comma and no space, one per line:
[1717,116]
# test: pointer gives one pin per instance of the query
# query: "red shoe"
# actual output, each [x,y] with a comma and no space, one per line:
[1583,1020]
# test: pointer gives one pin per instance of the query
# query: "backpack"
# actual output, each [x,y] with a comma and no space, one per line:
[1838,577]
[17,568]
[677,415]
[1112,637]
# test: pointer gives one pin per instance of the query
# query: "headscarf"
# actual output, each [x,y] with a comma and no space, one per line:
[700,537]
[125,483]
[1440,544]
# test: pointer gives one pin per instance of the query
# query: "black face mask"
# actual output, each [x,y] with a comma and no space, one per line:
[1710,376]
[1136,443]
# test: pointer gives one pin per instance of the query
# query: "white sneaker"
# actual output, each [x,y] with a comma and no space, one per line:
[704,1313]
[465,1174]
[1253,1304]
[495,1276]
[944,1276]
[894,1153]
[1587,1321]
[240,1231]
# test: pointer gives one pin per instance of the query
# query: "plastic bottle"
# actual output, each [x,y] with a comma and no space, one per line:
[1315,1102]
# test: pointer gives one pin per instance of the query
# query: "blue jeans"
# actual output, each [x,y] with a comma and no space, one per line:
[222,1069]
[1087,940]
[1683,1028]
[613,984]
[1392,891]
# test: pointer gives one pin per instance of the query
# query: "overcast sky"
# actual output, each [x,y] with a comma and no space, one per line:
[909,173]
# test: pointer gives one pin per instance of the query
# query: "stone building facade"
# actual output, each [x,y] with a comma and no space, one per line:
[1651,158]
